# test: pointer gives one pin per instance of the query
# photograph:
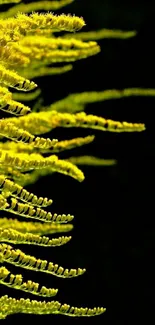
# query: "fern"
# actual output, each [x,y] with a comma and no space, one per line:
[29,44]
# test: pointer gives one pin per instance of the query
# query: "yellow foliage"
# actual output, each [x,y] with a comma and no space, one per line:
[30,48]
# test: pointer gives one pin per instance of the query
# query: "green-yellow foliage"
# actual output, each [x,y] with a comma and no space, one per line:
[30,48]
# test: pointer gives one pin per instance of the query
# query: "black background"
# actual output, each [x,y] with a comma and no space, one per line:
[114,231]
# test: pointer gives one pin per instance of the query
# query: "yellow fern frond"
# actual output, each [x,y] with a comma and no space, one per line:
[57,146]
[43,122]
[26,96]
[19,258]
[19,192]
[10,57]
[28,211]
[12,79]
[14,306]
[33,6]
[91,161]
[77,102]
[14,133]
[27,162]
[32,73]
[89,121]
[33,227]
[70,144]
[16,237]
[43,51]
[16,282]
[14,107]
[22,23]
[103,33]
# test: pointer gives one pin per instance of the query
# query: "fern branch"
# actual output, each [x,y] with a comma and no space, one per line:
[16,237]
[16,282]
[19,192]
[14,306]
[33,227]
[19,258]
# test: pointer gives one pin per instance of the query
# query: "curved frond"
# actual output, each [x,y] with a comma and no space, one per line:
[56,146]
[102,34]
[12,79]
[28,211]
[16,282]
[77,102]
[19,258]
[19,192]
[27,162]
[14,306]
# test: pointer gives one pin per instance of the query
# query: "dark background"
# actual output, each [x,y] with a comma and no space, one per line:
[114,230]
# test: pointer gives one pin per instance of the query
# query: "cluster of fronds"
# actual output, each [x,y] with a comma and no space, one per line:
[29,48]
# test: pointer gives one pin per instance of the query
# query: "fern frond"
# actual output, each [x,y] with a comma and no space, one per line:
[26,96]
[12,132]
[41,71]
[14,107]
[33,227]
[22,24]
[44,51]
[58,146]
[9,130]
[13,306]
[16,282]
[42,42]
[14,174]
[43,122]
[103,33]
[19,192]
[5,96]
[16,237]
[33,6]
[12,79]
[70,144]
[77,102]
[91,161]
[91,121]
[28,211]
[19,258]
[27,162]
[27,178]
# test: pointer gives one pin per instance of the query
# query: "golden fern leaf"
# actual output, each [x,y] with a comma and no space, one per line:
[19,258]
[14,306]
[16,282]
[16,237]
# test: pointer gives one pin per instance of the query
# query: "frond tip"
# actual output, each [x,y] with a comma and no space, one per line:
[12,79]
